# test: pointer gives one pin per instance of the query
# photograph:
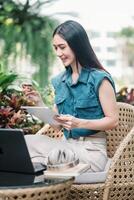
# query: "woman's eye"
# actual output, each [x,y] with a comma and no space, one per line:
[62,47]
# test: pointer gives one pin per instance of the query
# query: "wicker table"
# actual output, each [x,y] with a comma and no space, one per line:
[29,187]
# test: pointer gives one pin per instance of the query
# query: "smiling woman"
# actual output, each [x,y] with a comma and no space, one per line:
[84,93]
[63,51]
[84,100]
[73,48]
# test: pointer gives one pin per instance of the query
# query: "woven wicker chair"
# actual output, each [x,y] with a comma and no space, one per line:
[114,138]
[119,183]
[54,192]
[120,180]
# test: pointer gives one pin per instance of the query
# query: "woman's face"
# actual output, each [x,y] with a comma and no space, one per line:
[63,51]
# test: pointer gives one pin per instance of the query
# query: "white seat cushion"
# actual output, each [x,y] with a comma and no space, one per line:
[94,177]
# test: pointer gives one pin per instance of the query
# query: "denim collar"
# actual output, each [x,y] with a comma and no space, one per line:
[83,77]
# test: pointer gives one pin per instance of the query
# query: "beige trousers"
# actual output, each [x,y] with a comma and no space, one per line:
[91,150]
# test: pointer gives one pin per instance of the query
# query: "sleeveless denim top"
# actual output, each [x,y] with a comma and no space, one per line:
[80,99]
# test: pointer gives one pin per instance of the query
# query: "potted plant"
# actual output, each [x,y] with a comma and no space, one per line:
[12,97]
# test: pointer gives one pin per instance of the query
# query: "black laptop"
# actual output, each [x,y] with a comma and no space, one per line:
[14,155]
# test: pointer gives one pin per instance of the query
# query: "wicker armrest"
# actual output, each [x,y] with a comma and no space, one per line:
[50,131]
[126,123]
[121,173]
[43,130]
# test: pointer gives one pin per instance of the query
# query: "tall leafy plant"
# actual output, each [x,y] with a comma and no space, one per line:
[6,79]
[24,32]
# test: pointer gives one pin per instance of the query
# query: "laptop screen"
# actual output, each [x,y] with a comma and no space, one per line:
[14,155]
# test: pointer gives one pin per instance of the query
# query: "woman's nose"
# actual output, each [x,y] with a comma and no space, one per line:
[59,52]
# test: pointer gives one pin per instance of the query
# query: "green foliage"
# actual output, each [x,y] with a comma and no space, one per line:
[6,78]
[47,93]
[127,32]
[25,32]
[126,95]
[12,97]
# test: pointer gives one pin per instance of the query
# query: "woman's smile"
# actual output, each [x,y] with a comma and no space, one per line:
[63,50]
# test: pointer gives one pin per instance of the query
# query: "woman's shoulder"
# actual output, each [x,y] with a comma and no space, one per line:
[99,74]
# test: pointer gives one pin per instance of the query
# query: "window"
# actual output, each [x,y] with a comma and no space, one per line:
[94,34]
[111,34]
[110,63]
[111,49]
[97,49]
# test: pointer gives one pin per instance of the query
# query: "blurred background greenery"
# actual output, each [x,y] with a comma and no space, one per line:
[24,33]
[27,60]
[26,42]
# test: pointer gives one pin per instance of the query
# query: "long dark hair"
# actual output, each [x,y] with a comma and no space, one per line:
[77,39]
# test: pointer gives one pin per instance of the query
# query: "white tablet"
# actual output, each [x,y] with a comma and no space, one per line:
[43,113]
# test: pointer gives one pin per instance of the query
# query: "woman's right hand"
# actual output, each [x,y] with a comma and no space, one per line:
[68,121]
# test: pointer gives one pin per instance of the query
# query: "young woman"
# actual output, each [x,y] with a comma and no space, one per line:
[84,98]
[85,91]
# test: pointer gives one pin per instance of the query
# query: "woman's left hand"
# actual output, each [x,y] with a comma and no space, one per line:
[67,121]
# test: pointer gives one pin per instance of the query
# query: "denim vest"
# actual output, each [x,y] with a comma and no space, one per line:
[80,99]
